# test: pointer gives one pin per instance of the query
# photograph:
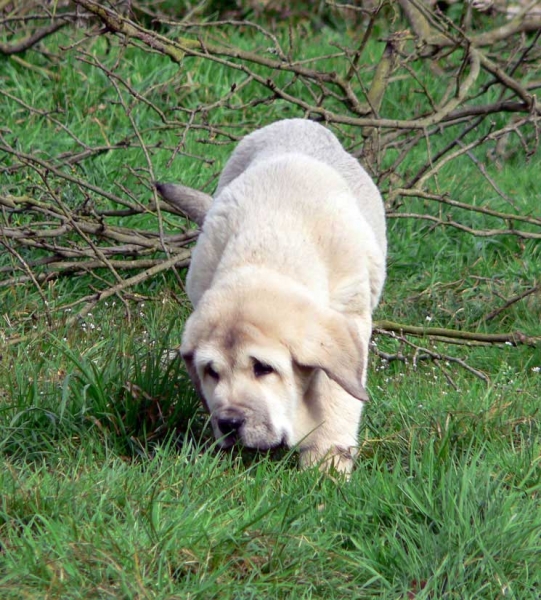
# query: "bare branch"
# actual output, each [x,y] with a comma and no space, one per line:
[57,219]
[34,38]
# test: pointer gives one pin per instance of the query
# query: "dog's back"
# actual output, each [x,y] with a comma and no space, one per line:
[299,136]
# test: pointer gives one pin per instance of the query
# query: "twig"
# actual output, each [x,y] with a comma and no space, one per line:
[178,259]
[526,235]
[33,38]
[509,217]
[491,315]
[30,158]
[31,277]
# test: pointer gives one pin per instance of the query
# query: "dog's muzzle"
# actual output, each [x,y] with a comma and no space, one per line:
[229,423]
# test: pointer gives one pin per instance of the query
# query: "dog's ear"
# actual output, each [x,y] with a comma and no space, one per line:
[187,351]
[330,342]
[192,372]
[192,203]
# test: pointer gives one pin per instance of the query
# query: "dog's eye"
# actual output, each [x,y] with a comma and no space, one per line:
[211,372]
[261,369]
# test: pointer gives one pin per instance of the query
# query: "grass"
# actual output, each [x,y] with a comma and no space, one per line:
[111,484]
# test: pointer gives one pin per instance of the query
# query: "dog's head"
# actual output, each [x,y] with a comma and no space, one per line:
[252,356]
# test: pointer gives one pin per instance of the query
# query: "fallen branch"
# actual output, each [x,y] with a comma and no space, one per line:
[421,354]
[467,337]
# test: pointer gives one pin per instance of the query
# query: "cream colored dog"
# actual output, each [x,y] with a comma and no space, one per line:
[287,270]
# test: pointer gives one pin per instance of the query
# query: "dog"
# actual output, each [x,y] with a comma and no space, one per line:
[285,275]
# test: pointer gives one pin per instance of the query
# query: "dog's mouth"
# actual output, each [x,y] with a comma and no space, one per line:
[232,427]
[238,438]
[228,440]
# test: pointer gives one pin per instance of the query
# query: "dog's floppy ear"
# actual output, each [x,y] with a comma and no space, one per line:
[330,342]
[192,203]
[192,372]
[187,351]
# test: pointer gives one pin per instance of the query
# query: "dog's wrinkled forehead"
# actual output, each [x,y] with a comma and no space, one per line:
[231,338]
[240,342]
[234,335]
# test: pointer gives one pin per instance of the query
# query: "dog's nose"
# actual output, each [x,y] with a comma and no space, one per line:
[230,425]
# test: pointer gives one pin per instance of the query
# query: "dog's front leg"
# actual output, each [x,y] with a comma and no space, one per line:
[335,459]
[331,417]
[334,415]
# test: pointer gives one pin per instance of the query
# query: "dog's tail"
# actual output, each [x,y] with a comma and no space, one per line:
[191,203]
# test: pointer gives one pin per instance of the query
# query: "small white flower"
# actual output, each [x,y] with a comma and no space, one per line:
[428,318]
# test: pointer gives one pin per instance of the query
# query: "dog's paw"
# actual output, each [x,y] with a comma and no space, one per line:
[336,459]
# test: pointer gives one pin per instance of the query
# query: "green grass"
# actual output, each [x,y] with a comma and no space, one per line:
[111,485]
